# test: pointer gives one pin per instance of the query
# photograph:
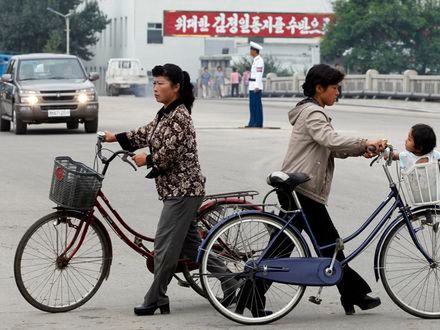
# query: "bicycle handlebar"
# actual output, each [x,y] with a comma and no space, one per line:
[386,154]
[106,161]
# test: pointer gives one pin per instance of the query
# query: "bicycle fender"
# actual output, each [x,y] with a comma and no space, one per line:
[202,247]
[390,227]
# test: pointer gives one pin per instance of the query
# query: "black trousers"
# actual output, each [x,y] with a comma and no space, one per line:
[351,287]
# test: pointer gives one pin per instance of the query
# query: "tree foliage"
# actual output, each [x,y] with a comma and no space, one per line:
[271,64]
[26,26]
[386,35]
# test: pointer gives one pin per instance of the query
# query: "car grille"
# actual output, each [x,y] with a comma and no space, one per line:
[55,96]
[59,107]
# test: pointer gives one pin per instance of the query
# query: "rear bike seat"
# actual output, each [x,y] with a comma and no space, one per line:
[287,181]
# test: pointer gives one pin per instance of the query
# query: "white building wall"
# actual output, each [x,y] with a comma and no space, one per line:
[131,17]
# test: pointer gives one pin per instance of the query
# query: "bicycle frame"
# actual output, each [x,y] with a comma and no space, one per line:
[397,204]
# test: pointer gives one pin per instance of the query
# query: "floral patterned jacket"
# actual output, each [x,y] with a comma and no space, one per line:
[171,138]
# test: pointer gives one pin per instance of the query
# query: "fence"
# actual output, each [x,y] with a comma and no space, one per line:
[408,86]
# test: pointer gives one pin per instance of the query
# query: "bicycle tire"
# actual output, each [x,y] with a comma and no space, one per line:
[237,243]
[41,276]
[410,281]
[208,218]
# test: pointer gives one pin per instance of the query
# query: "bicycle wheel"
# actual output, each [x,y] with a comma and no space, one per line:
[228,269]
[411,282]
[206,220]
[47,280]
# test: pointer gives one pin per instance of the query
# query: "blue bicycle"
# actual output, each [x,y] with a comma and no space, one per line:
[269,263]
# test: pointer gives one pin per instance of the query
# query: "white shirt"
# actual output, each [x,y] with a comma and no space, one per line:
[408,159]
[257,71]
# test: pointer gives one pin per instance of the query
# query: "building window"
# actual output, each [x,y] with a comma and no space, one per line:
[154,33]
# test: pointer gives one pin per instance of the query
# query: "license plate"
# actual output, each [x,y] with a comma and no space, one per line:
[124,86]
[58,113]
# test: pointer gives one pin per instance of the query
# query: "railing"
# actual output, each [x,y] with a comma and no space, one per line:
[408,85]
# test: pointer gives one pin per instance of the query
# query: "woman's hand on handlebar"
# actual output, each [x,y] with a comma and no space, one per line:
[374,147]
[109,137]
[140,159]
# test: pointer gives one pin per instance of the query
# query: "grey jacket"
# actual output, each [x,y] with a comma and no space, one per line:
[312,148]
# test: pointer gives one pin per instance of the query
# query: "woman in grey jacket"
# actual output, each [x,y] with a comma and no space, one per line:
[312,148]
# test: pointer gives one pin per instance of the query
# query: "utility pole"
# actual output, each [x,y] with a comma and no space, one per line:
[67,19]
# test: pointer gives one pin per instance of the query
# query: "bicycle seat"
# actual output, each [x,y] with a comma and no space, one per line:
[286,180]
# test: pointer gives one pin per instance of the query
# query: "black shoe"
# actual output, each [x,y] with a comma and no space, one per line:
[364,303]
[149,310]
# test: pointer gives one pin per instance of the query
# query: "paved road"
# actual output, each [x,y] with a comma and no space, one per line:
[232,159]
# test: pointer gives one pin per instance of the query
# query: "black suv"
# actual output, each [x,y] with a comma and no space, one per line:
[47,88]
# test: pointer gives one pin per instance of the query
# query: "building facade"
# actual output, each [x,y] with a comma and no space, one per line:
[191,31]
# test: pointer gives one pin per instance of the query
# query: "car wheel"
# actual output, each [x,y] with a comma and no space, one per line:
[91,126]
[5,125]
[114,91]
[72,124]
[20,128]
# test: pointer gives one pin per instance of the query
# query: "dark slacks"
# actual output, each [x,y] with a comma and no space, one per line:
[255,109]
[234,90]
[352,285]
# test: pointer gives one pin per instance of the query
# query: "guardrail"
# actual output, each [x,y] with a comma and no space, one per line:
[408,86]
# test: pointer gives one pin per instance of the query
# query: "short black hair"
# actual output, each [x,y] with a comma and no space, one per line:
[321,74]
[424,138]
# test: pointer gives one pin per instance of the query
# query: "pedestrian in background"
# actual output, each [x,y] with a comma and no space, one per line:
[245,78]
[219,82]
[256,87]
[205,77]
[235,82]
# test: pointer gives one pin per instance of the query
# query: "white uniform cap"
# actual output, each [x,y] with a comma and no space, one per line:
[255,45]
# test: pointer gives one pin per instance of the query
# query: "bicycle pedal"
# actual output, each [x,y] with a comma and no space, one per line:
[315,300]
[183,283]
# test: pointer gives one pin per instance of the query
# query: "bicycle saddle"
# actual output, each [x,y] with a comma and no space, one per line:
[286,180]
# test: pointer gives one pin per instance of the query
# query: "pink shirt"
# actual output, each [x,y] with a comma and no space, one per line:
[235,78]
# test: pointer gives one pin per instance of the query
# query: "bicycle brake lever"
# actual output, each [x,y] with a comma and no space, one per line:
[374,160]
[125,159]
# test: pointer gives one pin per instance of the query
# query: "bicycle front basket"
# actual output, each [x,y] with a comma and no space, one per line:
[74,185]
[422,183]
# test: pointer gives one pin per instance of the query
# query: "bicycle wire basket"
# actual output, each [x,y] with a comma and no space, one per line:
[74,185]
[422,184]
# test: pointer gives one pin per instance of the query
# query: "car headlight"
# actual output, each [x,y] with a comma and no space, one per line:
[86,95]
[28,97]
[31,99]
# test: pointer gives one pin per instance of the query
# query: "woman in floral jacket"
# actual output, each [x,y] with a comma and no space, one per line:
[175,166]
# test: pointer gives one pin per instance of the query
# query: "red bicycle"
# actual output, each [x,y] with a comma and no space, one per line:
[63,258]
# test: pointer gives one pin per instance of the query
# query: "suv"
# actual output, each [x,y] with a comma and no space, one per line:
[125,76]
[47,88]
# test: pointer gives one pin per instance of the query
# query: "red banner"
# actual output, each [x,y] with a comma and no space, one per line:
[244,24]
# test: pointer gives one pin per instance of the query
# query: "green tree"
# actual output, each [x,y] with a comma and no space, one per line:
[271,64]
[26,26]
[386,35]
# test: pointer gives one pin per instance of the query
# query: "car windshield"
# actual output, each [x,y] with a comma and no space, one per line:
[50,68]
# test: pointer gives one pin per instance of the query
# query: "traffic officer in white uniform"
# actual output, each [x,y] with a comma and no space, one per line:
[256,87]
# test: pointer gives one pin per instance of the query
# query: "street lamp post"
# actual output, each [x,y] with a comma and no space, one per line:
[67,19]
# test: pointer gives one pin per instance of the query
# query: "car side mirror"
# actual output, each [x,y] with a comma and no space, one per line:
[7,78]
[93,76]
